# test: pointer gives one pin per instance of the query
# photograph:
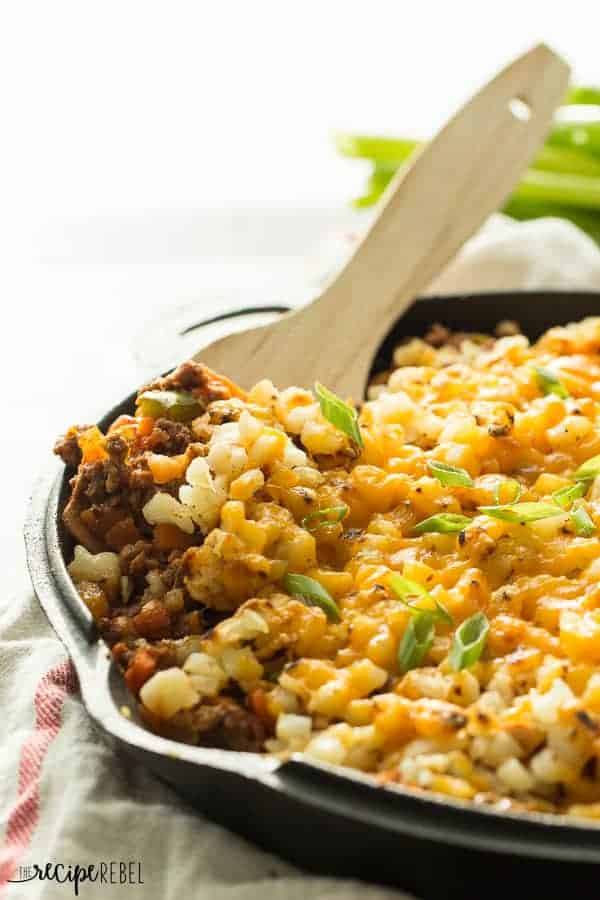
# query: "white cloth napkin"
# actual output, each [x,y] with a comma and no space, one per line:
[65,797]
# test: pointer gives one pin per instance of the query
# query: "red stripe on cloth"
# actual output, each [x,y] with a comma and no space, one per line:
[48,701]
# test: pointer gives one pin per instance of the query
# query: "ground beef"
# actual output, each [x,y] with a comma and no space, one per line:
[185,623]
[221,722]
[189,376]
[148,619]
[507,328]
[153,621]
[107,497]
[169,438]
[118,629]
[98,482]
[117,448]
[440,336]
[192,377]
[223,413]
[141,557]
[67,446]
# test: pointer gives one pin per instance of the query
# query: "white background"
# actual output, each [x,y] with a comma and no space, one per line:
[186,105]
[123,122]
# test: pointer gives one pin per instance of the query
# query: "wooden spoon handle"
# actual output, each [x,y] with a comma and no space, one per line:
[429,210]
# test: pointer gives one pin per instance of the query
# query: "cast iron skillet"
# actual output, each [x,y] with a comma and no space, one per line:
[323,817]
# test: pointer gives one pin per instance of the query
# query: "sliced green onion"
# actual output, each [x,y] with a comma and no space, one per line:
[590,469]
[442,523]
[548,383]
[566,496]
[469,641]
[521,512]
[584,526]
[453,476]
[506,482]
[322,517]
[442,613]
[315,593]
[404,588]
[178,405]
[416,641]
[340,414]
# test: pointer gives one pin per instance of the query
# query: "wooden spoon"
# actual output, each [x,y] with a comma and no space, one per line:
[428,211]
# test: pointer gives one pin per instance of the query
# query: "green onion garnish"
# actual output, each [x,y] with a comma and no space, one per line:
[521,512]
[584,526]
[514,485]
[588,470]
[469,641]
[340,414]
[548,383]
[442,523]
[322,517]
[315,593]
[404,588]
[416,641]
[452,476]
[566,496]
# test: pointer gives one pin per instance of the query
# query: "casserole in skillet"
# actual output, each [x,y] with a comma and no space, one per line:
[438,765]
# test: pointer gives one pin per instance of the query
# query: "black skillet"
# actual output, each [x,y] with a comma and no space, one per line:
[321,817]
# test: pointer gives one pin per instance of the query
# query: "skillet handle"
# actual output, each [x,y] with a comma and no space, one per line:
[162,344]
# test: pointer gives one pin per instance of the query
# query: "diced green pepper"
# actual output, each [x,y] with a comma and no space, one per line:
[177,405]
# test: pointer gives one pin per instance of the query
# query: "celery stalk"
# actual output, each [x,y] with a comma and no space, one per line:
[564,190]
[564,178]
[392,151]
[564,159]
[378,149]
[583,95]
[577,135]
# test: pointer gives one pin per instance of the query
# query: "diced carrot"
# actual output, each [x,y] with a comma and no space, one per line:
[91,444]
[125,426]
[170,537]
[122,421]
[140,669]
[145,425]
[258,702]
[122,533]
[217,380]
